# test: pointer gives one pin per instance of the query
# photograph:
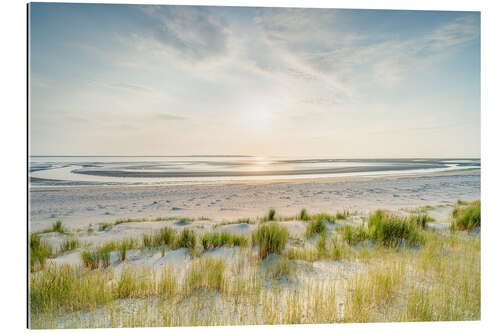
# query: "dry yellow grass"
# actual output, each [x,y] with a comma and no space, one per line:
[437,281]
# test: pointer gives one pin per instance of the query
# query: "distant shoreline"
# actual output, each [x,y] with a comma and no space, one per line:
[173,174]
[71,185]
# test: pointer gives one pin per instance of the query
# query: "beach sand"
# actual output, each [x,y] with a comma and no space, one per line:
[209,208]
[77,207]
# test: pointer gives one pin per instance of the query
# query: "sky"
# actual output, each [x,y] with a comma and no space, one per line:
[183,80]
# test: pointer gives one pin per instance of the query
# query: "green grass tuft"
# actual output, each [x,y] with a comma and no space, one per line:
[39,251]
[69,245]
[207,273]
[214,240]
[421,220]
[129,220]
[134,284]
[342,215]
[391,230]
[323,217]
[303,215]
[387,230]
[187,239]
[323,250]
[98,258]
[321,243]
[165,236]
[353,235]
[315,227]
[270,238]
[67,288]
[467,218]
[124,245]
[58,227]
[271,215]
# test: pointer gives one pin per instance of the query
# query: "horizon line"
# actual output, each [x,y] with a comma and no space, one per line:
[238,155]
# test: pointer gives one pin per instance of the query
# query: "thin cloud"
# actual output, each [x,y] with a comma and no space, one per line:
[422,128]
[131,87]
[167,116]
[404,57]
[189,31]
[313,49]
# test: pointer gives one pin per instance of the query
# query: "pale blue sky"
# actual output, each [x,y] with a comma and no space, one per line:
[170,80]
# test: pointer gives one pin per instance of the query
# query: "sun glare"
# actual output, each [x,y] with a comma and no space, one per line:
[259,116]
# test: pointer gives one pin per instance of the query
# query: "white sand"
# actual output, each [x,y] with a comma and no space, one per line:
[78,208]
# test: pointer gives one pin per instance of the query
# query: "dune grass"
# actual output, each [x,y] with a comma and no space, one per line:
[187,239]
[371,291]
[323,217]
[165,236]
[69,245]
[168,285]
[39,251]
[105,226]
[134,283]
[99,257]
[420,220]
[271,215]
[325,248]
[77,289]
[321,243]
[419,210]
[245,220]
[439,280]
[304,216]
[130,220]
[309,254]
[238,221]
[391,230]
[467,218]
[161,219]
[218,239]
[206,273]
[68,288]
[315,227]
[387,230]
[177,218]
[342,215]
[56,227]
[270,238]
[354,235]
[124,245]
[281,268]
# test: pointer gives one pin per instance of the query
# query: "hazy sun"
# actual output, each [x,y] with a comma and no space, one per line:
[259,116]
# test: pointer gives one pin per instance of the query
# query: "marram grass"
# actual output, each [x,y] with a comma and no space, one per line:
[467,218]
[438,280]
[39,251]
[270,238]
[218,239]
[387,230]
[315,227]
